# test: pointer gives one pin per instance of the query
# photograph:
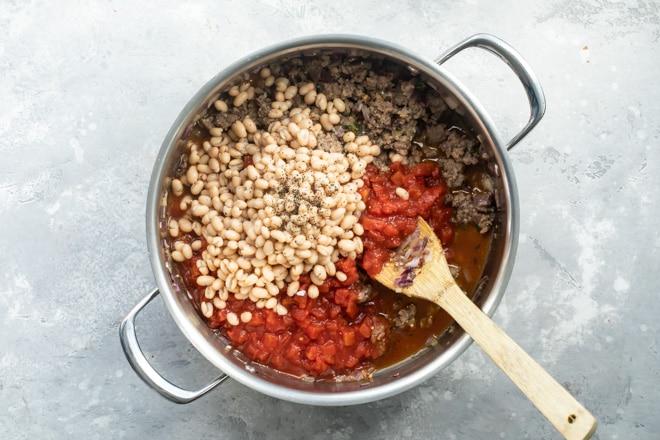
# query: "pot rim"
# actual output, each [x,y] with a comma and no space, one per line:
[195,107]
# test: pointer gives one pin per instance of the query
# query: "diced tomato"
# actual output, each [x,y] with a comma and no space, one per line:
[352,309]
[349,267]
[329,349]
[251,351]
[312,352]
[352,361]
[371,223]
[342,296]
[238,335]
[334,310]
[440,221]
[284,338]
[373,259]
[391,230]
[319,365]
[446,235]
[365,328]
[348,336]
[270,342]
[262,356]
[424,169]
[298,314]
[301,301]
[258,319]
[278,361]
[332,326]
[397,178]
[293,352]
[272,324]
[313,330]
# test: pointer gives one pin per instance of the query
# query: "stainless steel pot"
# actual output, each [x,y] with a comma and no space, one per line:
[384,383]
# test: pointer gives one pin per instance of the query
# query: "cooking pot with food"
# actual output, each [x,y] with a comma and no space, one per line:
[282,186]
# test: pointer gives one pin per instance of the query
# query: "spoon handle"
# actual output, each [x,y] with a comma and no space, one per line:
[572,419]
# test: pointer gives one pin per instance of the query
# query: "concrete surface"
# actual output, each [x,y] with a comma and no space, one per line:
[88,91]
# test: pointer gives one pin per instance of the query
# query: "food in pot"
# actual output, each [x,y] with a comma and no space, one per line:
[293,190]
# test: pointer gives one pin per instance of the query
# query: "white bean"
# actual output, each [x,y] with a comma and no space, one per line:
[290,92]
[192,175]
[220,106]
[321,101]
[249,125]
[187,251]
[346,245]
[313,291]
[173,228]
[260,292]
[325,122]
[232,318]
[246,316]
[271,303]
[330,268]
[402,193]
[303,137]
[306,88]
[205,280]
[320,272]
[199,210]
[232,235]
[240,99]
[348,222]
[275,114]
[206,309]
[239,129]
[177,187]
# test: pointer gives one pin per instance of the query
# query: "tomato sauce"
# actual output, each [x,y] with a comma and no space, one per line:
[335,335]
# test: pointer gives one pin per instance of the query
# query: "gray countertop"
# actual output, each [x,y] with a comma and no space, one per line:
[89,90]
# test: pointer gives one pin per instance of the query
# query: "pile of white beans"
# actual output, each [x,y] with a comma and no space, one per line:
[293,209]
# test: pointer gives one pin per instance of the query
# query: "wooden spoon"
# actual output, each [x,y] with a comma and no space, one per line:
[425,262]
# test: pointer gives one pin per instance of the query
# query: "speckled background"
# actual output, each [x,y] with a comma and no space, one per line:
[88,91]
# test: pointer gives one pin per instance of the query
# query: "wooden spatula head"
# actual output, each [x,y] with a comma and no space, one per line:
[418,268]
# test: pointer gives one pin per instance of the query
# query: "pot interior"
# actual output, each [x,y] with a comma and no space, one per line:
[385,382]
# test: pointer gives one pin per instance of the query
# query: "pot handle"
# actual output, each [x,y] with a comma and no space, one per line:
[143,368]
[519,66]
